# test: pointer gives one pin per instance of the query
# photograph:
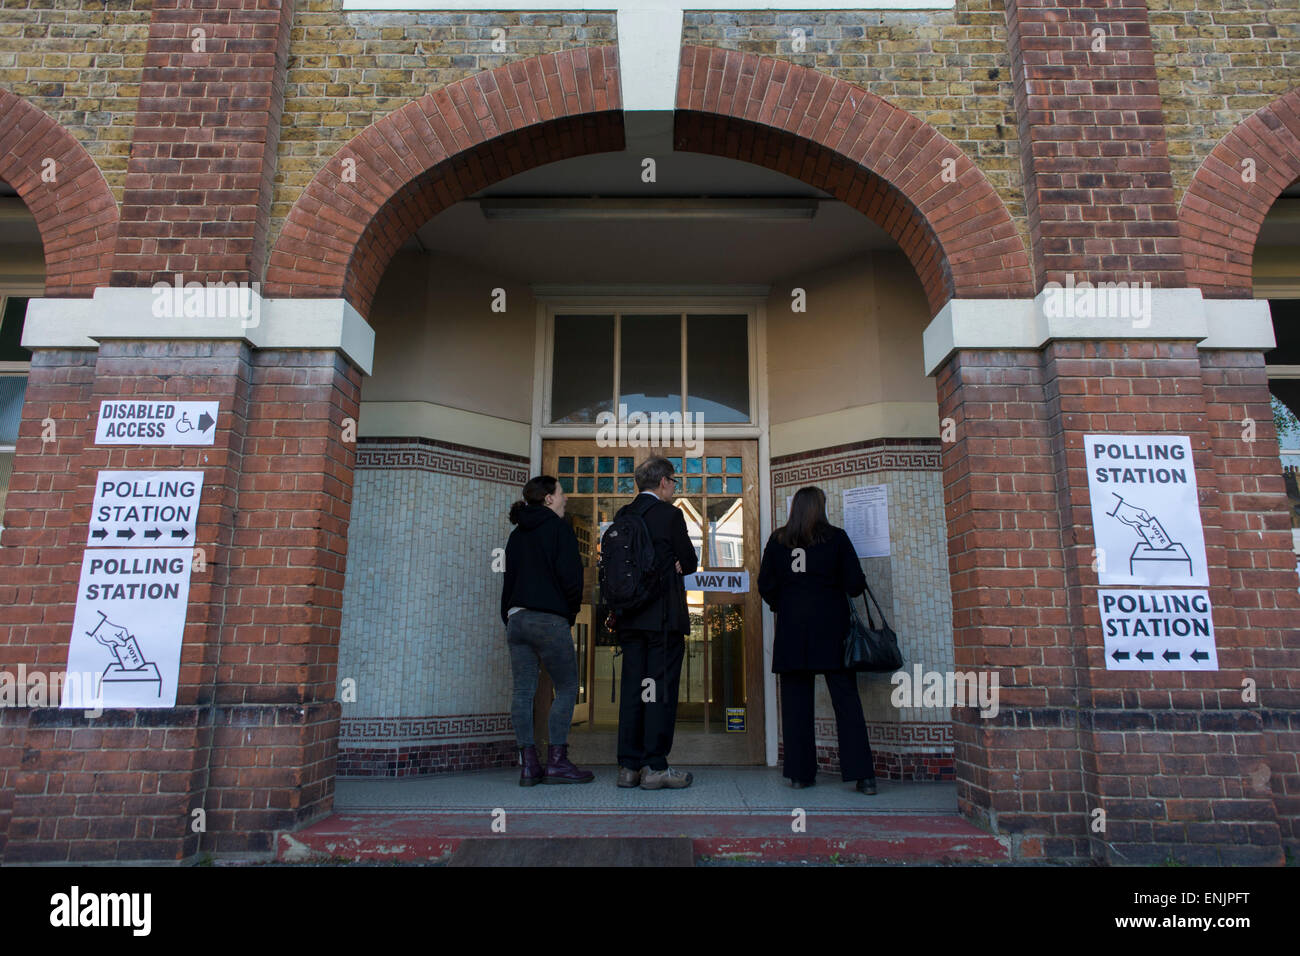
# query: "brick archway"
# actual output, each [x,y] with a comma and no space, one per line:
[75,213]
[1221,214]
[433,152]
[866,152]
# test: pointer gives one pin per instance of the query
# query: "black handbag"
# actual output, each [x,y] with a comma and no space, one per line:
[868,648]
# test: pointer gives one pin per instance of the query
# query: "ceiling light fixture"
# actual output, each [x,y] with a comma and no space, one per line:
[586,209]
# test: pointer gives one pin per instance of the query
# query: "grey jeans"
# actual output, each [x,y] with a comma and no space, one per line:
[539,637]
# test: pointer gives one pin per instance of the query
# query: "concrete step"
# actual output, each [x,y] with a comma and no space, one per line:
[413,837]
[574,851]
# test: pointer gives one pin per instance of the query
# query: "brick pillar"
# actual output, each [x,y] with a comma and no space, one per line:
[1098,190]
[198,184]
[252,737]
[1261,565]
[1019,773]
[39,543]
[1175,759]
[276,741]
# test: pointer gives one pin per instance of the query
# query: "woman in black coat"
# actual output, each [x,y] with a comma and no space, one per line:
[808,572]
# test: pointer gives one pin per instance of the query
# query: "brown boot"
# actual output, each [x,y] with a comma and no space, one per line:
[560,770]
[530,771]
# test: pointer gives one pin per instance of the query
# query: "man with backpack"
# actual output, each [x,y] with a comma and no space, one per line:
[644,554]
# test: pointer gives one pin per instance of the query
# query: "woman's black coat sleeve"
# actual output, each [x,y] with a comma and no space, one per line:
[855,582]
[568,569]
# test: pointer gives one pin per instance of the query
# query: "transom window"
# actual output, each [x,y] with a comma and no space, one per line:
[687,363]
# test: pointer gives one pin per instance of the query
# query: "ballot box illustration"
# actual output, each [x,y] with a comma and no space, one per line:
[129,665]
[1155,549]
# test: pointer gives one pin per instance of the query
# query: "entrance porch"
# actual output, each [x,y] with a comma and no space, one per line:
[743,813]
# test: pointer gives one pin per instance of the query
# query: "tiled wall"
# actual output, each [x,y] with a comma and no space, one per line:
[421,632]
[911,584]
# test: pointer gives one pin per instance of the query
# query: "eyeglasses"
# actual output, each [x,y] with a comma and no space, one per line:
[673,480]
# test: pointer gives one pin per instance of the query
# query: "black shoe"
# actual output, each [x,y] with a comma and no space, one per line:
[802,784]
[867,786]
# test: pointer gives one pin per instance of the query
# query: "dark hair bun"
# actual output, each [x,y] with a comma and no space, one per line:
[516,509]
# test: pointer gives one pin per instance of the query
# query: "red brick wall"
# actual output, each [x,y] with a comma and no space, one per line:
[198,185]
[1018,772]
[1098,189]
[1262,586]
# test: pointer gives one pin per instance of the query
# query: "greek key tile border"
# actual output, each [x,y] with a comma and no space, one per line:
[825,464]
[410,730]
[441,458]
[908,735]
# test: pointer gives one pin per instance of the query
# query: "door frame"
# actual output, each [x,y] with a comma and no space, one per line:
[752,299]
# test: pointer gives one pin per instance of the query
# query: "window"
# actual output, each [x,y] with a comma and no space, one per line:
[694,363]
[14,364]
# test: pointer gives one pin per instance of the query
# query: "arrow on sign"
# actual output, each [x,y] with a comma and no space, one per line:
[183,533]
[153,535]
[1120,655]
[206,421]
[1144,655]
[99,533]
[128,534]
[1200,656]
[1171,656]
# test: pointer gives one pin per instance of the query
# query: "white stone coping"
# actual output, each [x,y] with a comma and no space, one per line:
[1158,314]
[262,323]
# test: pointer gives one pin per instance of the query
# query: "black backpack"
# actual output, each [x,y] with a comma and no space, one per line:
[628,577]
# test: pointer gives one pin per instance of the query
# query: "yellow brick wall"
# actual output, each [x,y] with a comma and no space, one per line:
[1218,61]
[948,68]
[81,63]
[347,70]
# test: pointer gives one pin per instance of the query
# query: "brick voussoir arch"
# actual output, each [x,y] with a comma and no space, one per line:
[75,212]
[402,170]
[1221,213]
[866,152]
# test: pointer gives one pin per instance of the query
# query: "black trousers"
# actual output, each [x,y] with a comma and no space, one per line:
[645,728]
[798,735]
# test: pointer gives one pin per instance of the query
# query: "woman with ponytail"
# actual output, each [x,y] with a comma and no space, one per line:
[540,598]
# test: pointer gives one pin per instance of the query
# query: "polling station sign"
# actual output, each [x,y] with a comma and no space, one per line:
[124,422]
[1157,630]
[128,626]
[132,508]
[1146,516]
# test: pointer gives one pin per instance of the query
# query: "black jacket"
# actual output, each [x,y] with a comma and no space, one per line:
[667,527]
[812,611]
[543,567]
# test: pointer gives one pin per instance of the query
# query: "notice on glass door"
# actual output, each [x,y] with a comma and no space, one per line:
[866,519]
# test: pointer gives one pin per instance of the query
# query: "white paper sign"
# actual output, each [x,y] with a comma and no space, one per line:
[1146,516]
[1162,630]
[134,508]
[866,520]
[126,422]
[733,582]
[128,626]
